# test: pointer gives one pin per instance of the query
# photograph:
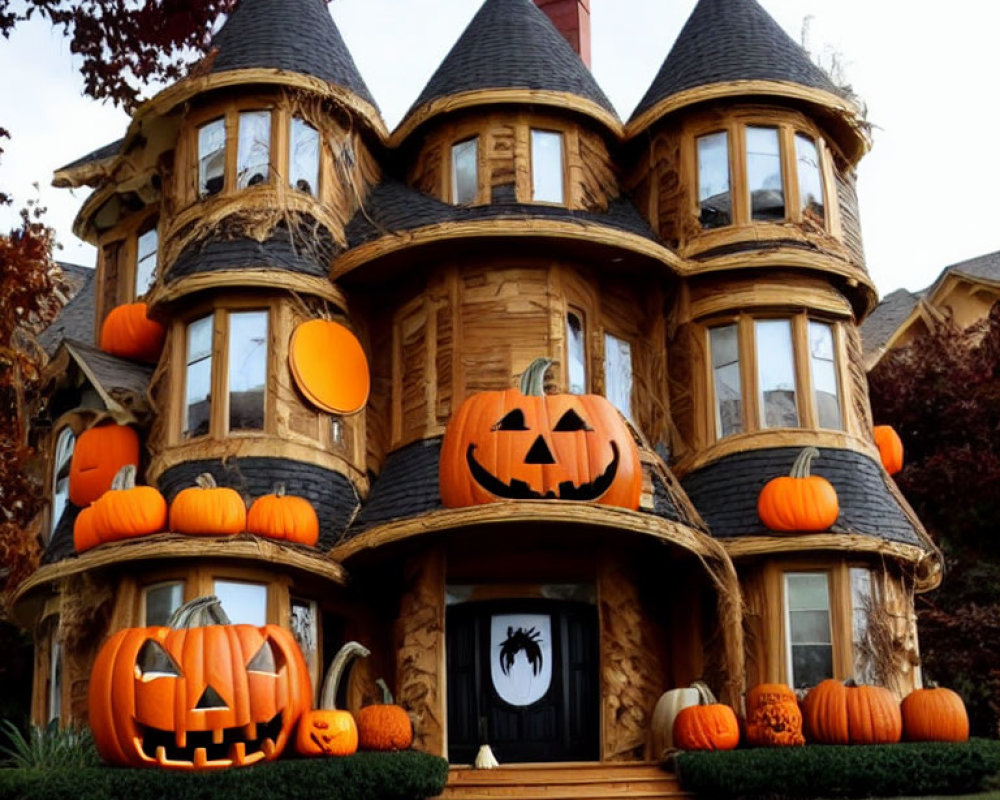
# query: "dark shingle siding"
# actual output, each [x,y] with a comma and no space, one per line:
[511,44]
[394,207]
[294,35]
[331,494]
[731,40]
[726,492]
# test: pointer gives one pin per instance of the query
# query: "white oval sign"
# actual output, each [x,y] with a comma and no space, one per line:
[521,656]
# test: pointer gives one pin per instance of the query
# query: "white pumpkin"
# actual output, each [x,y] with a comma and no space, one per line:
[666,710]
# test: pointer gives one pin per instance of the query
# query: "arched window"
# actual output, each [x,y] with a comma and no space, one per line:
[61,459]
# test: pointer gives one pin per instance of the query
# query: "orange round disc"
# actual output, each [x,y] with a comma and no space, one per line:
[329,366]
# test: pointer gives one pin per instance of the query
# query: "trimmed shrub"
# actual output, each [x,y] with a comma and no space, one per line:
[910,769]
[406,775]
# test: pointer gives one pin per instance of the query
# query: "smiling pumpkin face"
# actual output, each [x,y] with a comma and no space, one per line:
[521,444]
[197,697]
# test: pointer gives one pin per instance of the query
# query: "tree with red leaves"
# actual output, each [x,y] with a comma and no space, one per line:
[942,394]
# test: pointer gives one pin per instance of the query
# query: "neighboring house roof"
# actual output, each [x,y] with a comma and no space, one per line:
[879,327]
[511,44]
[293,35]
[393,207]
[76,320]
[984,268]
[121,383]
[731,40]
[726,492]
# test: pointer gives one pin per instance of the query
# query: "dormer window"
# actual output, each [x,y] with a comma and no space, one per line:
[211,157]
[546,166]
[303,158]
[465,172]
[253,151]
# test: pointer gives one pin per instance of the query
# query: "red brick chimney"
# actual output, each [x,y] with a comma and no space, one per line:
[572,19]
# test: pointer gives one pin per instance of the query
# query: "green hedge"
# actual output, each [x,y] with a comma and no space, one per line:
[841,771]
[386,776]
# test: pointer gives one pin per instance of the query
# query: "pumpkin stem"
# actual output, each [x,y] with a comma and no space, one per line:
[800,468]
[124,478]
[387,698]
[533,378]
[350,651]
[279,489]
[198,613]
[706,698]
[206,481]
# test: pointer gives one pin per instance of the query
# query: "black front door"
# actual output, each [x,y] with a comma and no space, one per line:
[528,671]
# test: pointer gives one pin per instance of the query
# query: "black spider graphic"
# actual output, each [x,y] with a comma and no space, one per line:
[521,639]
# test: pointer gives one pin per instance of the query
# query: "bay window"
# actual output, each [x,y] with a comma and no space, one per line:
[145,260]
[211,157]
[713,180]
[546,166]
[247,357]
[303,156]
[724,346]
[764,181]
[618,373]
[253,149]
[465,172]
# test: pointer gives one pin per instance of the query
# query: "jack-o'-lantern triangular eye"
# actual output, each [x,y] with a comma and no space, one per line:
[571,421]
[154,661]
[512,421]
[269,659]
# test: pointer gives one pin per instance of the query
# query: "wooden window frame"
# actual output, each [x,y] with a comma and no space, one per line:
[563,144]
[605,333]
[122,247]
[805,397]
[140,615]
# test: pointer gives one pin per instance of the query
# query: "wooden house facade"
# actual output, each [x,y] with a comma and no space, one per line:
[700,267]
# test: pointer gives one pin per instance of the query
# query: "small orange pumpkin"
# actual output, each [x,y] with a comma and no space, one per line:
[98,455]
[934,714]
[384,726]
[890,448]
[325,731]
[124,511]
[839,713]
[282,516]
[127,332]
[706,726]
[208,509]
[799,501]
[522,444]
[773,717]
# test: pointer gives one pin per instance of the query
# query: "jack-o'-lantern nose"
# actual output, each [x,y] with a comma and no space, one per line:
[539,453]
[210,699]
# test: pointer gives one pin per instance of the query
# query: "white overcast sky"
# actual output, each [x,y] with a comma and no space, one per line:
[929,72]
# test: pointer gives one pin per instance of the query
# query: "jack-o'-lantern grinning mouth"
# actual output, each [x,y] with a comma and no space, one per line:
[520,490]
[238,746]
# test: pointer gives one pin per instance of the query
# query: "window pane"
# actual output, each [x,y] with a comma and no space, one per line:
[55,678]
[810,180]
[618,373]
[807,618]
[162,600]
[713,180]
[776,373]
[767,194]
[808,591]
[253,153]
[247,369]
[61,459]
[303,157]
[244,603]
[576,355]
[546,167]
[145,268]
[809,627]
[724,344]
[464,171]
[811,663]
[862,603]
[823,367]
[198,377]
[211,157]
[305,628]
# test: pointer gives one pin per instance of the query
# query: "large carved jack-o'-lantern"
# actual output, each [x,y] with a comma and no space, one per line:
[199,693]
[526,445]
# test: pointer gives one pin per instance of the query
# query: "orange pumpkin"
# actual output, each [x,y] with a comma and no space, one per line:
[706,726]
[129,333]
[838,713]
[124,511]
[934,714]
[890,448]
[521,444]
[799,501]
[98,455]
[773,716]
[329,366]
[325,731]
[198,693]
[281,516]
[384,726]
[208,509]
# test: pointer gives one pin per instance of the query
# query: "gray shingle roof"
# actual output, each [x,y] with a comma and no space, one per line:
[885,319]
[294,35]
[117,377]
[726,491]
[511,44]
[986,267]
[101,153]
[76,320]
[731,40]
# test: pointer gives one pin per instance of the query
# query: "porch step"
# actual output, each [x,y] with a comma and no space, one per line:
[584,781]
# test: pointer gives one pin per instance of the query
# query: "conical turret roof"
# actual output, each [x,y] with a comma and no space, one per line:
[294,35]
[511,45]
[732,40]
